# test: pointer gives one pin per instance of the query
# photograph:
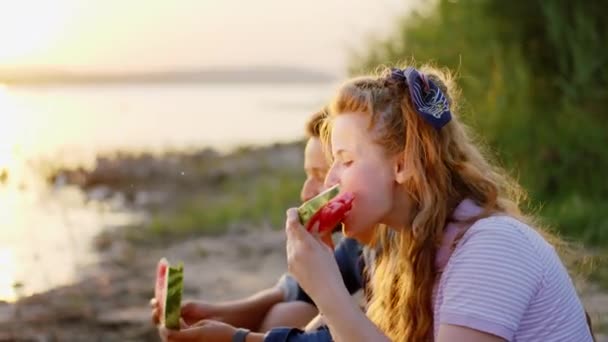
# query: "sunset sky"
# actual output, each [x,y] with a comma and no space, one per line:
[120,35]
[63,123]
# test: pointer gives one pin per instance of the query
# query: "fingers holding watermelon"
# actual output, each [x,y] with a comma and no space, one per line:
[309,260]
[155,312]
[191,311]
[205,330]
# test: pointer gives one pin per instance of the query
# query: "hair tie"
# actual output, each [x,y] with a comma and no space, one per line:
[427,98]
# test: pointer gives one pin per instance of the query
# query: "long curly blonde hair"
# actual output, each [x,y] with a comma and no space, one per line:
[445,166]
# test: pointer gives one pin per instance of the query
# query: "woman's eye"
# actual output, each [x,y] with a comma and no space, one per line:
[347,162]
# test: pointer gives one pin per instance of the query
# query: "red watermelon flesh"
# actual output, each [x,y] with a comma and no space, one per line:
[332,213]
[161,285]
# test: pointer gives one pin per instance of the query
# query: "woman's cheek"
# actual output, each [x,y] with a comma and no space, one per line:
[346,180]
[354,178]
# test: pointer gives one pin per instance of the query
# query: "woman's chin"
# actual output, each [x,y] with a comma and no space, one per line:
[353,233]
[346,230]
[347,226]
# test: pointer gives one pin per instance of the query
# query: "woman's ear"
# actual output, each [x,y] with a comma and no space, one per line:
[399,170]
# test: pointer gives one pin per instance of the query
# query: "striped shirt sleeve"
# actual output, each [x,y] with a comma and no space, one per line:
[490,279]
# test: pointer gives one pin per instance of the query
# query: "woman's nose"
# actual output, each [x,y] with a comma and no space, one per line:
[332,177]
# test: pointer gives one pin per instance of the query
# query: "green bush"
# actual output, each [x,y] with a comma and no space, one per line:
[253,200]
[535,83]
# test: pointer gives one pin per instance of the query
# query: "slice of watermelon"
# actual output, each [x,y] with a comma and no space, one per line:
[168,293]
[310,207]
[328,209]
[332,213]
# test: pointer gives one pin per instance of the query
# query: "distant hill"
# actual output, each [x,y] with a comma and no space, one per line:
[216,75]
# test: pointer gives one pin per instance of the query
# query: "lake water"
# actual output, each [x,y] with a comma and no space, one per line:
[45,232]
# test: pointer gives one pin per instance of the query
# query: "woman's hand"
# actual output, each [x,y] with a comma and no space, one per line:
[311,262]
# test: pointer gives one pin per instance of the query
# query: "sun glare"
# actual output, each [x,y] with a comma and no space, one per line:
[7,129]
[28,28]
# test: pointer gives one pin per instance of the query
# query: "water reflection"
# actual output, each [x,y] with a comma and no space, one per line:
[46,235]
[8,266]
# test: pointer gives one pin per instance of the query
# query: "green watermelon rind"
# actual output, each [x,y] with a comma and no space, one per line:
[310,207]
[173,301]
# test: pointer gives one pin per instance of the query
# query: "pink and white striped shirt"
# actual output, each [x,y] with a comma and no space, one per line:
[503,278]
